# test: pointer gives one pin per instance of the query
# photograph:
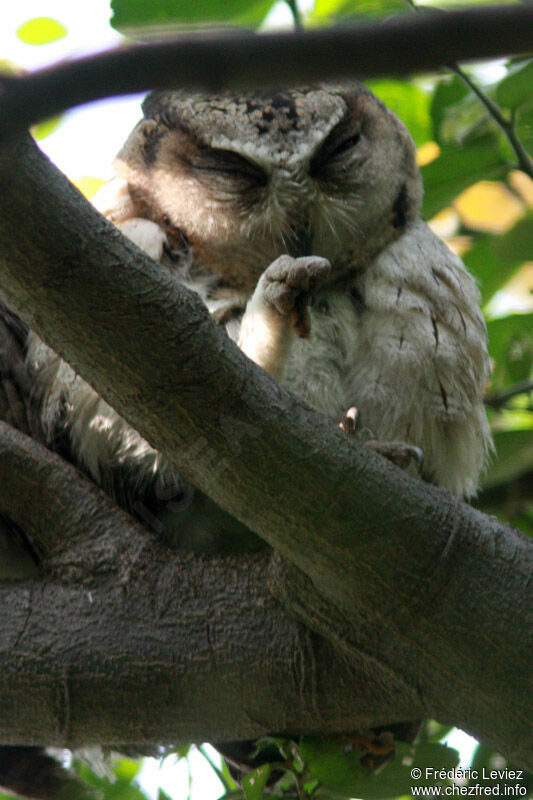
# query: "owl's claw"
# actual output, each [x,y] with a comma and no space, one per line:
[350,423]
[399,453]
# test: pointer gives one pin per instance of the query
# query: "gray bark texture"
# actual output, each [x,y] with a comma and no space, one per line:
[413,603]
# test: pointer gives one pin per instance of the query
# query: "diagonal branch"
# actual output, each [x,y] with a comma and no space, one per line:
[376,550]
[400,46]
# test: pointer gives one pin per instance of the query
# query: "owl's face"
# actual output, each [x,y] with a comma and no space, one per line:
[245,178]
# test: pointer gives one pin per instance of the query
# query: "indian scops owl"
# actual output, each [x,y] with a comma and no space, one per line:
[295,216]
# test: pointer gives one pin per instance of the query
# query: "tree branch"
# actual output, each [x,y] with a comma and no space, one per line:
[399,46]
[386,563]
[523,159]
[184,650]
[71,523]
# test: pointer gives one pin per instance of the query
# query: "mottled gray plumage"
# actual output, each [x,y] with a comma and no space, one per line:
[294,215]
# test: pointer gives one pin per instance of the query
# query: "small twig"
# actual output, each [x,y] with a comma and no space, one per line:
[525,162]
[499,400]
[296,14]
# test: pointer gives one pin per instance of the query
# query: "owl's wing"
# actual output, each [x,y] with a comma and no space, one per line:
[420,362]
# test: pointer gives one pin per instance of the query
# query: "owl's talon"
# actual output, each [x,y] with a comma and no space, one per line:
[400,453]
[351,421]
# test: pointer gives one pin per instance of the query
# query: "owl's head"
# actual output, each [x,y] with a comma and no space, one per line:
[325,170]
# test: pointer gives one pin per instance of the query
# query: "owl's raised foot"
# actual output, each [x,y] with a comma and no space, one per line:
[400,453]
[287,285]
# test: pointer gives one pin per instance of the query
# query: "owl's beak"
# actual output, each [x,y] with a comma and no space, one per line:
[299,242]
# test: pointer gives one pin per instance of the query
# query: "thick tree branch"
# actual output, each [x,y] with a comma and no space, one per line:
[72,524]
[399,46]
[184,650]
[429,589]
[214,613]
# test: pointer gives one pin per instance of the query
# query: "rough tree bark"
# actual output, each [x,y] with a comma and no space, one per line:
[421,598]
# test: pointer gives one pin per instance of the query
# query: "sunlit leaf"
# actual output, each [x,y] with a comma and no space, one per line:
[489,206]
[342,770]
[119,789]
[89,186]
[182,751]
[41,30]
[459,167]
[127,768]
[427,153]
[433,731]
[522,184]
[409,102]
[128,14]
[495,259]
[255,782]
[46,127]
[516,88]
[8,67]
[336,9]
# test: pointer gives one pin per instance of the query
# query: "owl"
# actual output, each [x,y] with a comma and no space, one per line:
[295,215]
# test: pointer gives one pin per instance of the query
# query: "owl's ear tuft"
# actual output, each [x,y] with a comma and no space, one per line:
[142,145]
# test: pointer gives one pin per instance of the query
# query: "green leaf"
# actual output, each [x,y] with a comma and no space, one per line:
[342,771]
[161,795]
[514,457]
[511,348]
[128,14]
[447,94]
[433,731]
[126,769]
[409,102]
[182,751]
[516,89]
[524,125]
[255,782]
[8,67]
[41,30]
[495,259]
[46,127]
[119,789]
[325,10]
[459,167]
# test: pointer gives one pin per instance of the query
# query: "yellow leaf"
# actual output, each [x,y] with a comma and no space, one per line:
[523,185]
[489,206]
[8,67]
[46,127]
[445,223]
[427,153]
[41,30]
[88,185]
